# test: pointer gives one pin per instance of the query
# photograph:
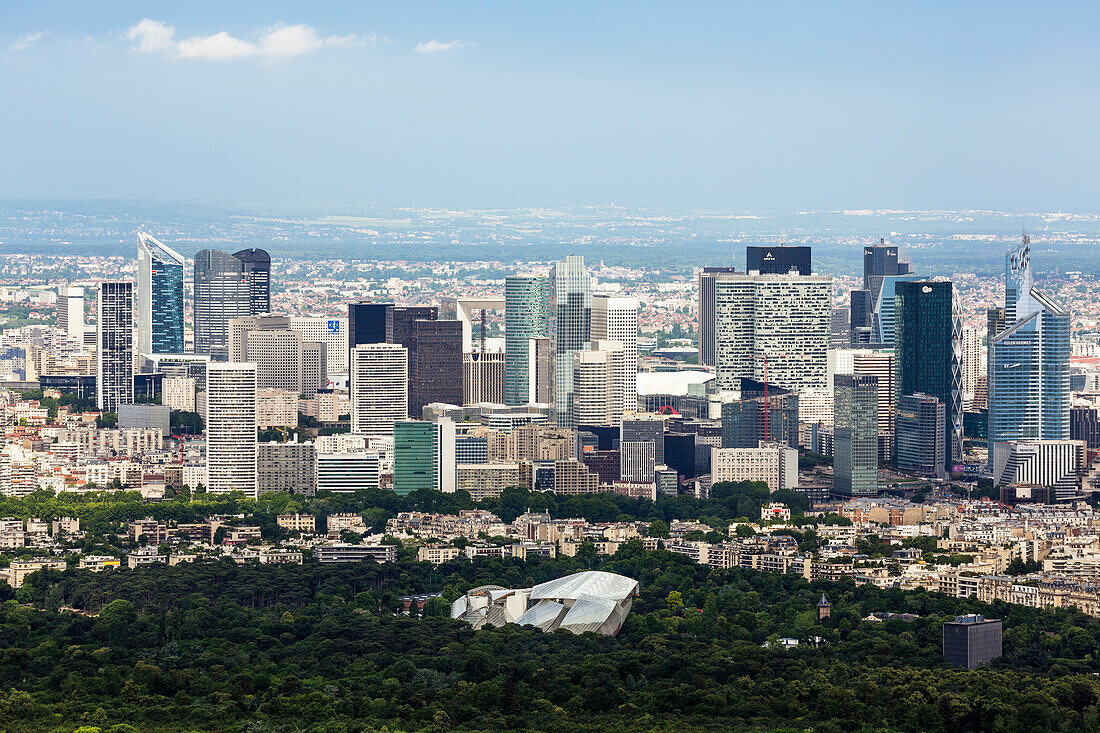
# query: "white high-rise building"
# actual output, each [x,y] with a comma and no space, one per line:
[380,388]
[231,439]
[973,365]
[277,355]
[333,333]
[115,345]
[70,312]
[881,363]
[784,319]
[615,318]
[599,381]
[178,393]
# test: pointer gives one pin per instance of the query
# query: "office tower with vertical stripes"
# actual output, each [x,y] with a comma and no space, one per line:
[231,423]
[70,312]
[704,311]
[115,345]
[379,388]
[570,307]
[855,435]
[526,299]
[615,319]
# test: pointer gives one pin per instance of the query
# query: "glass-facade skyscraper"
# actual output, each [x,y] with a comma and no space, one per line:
[570,328]
[158,301]
[257,269]
[526,299]
[855,434]
[1029,396]
[928,348]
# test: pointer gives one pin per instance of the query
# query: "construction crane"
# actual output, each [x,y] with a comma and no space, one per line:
[179,440]
[767,401]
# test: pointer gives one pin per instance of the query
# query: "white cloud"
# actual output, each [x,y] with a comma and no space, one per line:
[29,40]
[434,46]
[281,41]
[152,35]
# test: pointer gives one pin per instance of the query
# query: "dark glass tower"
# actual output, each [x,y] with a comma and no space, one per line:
[436,368]
[222,292]
[778,260]
[928,347]
[257,270]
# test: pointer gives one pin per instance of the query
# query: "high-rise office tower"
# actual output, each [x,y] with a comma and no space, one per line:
[314,367]
[483,377]
[881,363]
[379,388]
[277,354]
[423,456]
[570,305]
[928,347]
[526,299]
[879,261]
[883,317]
[1029,395]
[70,312]
[783,319]
[115,345]
[222,292]
[615,318]
[861,314]
[333,333]
[158,304]
[972,363]
[231,439]
[921,430]
[256,265]
[778,260]
[704,311]
[598,387]
[401,324]
[840,329]
[636,461]
[642,428]
[540,371]
[743,419]
[855,435]
[366,325]
[239,329]
[436,373]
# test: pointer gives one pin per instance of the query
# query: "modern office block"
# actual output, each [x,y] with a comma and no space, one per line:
[599,378]
[861,312]
[436,373]
[526,317]
[114,344]
[178,393]
[333,333]
[615,319]
[607,464]
[743,420]
[256,267]
[704,311]
[286,468]
[928,349]
[880,261]
[277,355]
[1056,464]
[881,363]
[921,434]
[570,307]
[778,260]
[70,312]
[344,473]
[540,374]
[483,377]
[423,456]
[238,329]
[637,461]
[775,464]
[855,435]
[973,367]
[772,328]
[644,428]
[471,449]
[379,388]
[146,416]
[970,641]
[680,454]
[231,438]
[366,325]
[1084,424]
[221,292]
[158,301]
[1029,396]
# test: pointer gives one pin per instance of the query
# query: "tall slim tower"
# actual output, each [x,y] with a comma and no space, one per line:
[1029,396]
[158,311]
[256,264]
[615,318]
[928,345]
[231,439]
[70,312]
[115,345]
[222,292]
[705,312]
[366,325]
[570,328]
[855,435]
[436,374]
[526,300]
[379,388]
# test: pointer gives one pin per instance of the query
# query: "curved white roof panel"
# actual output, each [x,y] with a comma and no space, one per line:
[589,583]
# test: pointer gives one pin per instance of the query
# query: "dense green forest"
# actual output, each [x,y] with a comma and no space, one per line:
[225,647]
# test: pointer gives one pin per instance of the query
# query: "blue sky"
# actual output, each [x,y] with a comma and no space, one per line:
[784,106]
